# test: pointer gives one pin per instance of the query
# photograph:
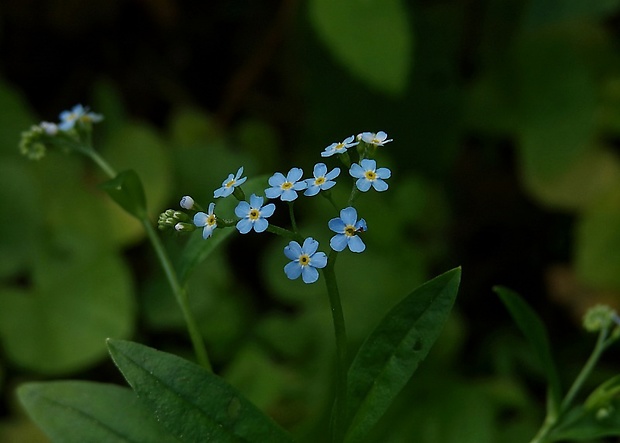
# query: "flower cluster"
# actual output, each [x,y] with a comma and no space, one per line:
[35,142]
[253,214]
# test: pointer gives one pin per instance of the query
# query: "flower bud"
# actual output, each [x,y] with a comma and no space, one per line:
[184,227]
[187,202]
[598,317]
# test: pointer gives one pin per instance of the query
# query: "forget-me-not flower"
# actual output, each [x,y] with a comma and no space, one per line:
[207,221]
[346,228]
[368,175]
[286,187]
[253,214]
[339,148]
[229,185]
[322,180]
[378,139]
[305,260]
[77,113]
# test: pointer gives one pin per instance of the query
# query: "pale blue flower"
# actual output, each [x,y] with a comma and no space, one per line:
[229,185]
[378,139]
[339,148]
[368,175]
[253,214]
[346,228]
[207,221]
[286,187]
[322,180]
[68,119]
[305,260]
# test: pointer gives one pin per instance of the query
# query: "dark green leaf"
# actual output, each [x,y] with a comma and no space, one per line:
[86,412]
[126,189]
[191,402]
[534,330]
[372,38]
[393,351]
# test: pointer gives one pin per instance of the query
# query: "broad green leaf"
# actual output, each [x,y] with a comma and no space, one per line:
[534,330]
[87,412]
[126,189]
[197,248]
[393,351]
[372,38]
[60,324]
[190,402]
[15,117]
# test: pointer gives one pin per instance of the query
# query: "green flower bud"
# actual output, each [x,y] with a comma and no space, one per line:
[184,227]
[598,317]
[180,216]
[32,143]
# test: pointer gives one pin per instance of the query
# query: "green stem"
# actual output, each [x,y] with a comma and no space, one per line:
[179,291]
[283,232]
[291,213]
[339,412]
[180,294]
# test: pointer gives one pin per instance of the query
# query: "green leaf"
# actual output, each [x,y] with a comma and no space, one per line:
[586,424]
[372,38]
[126,189]
[87,412]
[190,402]
[535,332]
[393,351]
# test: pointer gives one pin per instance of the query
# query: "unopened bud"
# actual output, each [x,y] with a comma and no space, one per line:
[184,227]
[598,317]
[187,202]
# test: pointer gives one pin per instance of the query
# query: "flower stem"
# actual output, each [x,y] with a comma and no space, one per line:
[339,412]
[179,291]
[291,212]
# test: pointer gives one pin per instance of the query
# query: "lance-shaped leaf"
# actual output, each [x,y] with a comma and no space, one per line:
[87,412]
[126,189]
[391,354]
[535,332]
[190,402]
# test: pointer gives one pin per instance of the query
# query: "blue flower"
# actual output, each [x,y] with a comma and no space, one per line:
[208,221]
[346,228]
[368,175]
[229,185]
[339,148]
[77,113]
[305,260]
[322,180]
[378,139]
[286,187]
[253,214]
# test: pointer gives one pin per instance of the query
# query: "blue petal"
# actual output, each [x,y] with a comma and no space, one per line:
[256,201]
[338,242]
[319,170]
[348,215]
[310,246]
[242,209]
[293,251]
[289,195]
[208,231]
[211,208]
[356,171]
[200,219]
[328,185]
[349,140]
[228,180]
[312,190]
[318,260]
[267,210]
[261,225]
[273,192]
[239,172]
[309,274]
[368,164]
[361,224]
[244,225]
[362,184]
[294,174]
[292,270]
[383,173]
[332,174]
[379,185]
[241,181]
[336,225]
[277,179]
[356,244]
[300,186]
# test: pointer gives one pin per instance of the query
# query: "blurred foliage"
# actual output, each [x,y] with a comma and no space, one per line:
[506,120]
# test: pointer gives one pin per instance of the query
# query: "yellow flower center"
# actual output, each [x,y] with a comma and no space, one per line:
[339,147]
[231,183]
[254,214]
[304,259]
[211,220]
[319,181]
[286,185]
[349,231]
[370,175]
